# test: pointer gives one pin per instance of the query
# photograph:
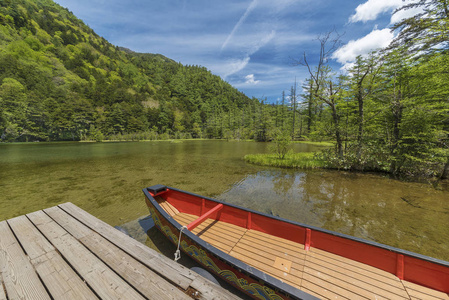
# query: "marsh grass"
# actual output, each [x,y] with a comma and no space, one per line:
[302,160]
[320,144]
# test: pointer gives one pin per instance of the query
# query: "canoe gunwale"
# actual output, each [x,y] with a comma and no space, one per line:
[249,271]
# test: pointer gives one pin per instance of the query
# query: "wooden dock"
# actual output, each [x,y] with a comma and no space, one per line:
[64,252]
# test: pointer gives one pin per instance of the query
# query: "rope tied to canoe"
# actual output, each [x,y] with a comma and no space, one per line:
[178,251]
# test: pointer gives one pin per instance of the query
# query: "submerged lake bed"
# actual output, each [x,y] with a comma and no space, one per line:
[106,180]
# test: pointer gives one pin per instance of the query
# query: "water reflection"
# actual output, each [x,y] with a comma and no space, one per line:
[411,216]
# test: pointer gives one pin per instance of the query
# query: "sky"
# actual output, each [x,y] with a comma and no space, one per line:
[252,44]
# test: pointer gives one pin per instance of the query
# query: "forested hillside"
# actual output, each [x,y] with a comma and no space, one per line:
[61,81]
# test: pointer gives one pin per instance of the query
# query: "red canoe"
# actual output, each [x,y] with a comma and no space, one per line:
[273,258]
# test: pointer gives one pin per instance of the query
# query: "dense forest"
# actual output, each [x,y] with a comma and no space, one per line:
[61,81]
[388,112]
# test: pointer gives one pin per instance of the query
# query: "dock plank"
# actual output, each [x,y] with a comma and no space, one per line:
[139,276]
[160,264]
[98,276]
[19,277]
[2,289]
[58,277]
[34,243]
[155,261]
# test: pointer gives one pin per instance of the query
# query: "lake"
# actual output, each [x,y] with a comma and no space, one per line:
[106,180]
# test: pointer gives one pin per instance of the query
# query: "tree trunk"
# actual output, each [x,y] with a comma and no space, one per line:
[309,120]
[445,174]
[397,115]
[360,120]
[337,132]
[293,99]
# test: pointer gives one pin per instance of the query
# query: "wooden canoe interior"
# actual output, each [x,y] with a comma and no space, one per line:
[317,272]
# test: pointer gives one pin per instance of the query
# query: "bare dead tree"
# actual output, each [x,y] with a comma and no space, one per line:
[325,86]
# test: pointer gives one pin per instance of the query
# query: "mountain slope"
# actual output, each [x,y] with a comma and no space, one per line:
[59,80]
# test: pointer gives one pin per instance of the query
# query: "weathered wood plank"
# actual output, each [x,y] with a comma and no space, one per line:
[19,277]
[58,277]
[141,277]
[100,278]
[2,289]
[209,290]
[160,264]
[34,243]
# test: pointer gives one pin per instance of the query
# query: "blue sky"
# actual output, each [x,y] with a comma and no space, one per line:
[252,44]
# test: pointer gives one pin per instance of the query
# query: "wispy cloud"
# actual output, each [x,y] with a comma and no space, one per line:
[265,40]
[242,19]
[236,66]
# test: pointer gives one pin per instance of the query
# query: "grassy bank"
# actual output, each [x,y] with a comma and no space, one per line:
[320,144]
[302,160]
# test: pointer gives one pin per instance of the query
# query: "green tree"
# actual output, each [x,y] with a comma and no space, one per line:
[427,31]
[13,104]
[281,143]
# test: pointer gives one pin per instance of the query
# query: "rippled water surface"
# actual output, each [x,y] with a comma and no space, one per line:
[106,179]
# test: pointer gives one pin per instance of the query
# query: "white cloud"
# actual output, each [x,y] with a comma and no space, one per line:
[404,14]
[242,19]
[371,9]
[376,39]
[250,79]
[235,66]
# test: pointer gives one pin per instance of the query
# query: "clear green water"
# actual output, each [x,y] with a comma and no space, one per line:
[106,180]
